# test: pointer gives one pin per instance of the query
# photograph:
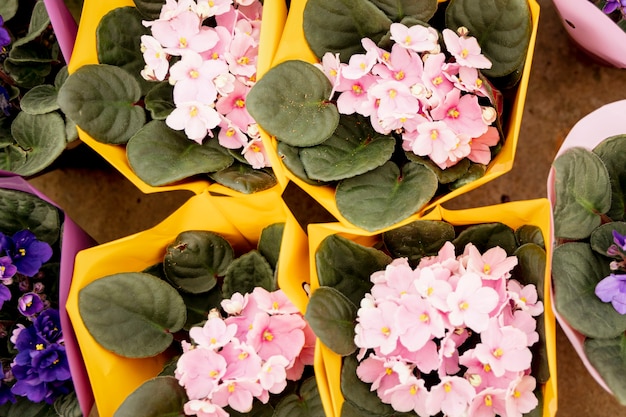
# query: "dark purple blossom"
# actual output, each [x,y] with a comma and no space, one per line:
[27,253]
[5,390]
[613,289]
[5,294]
[30,304]
[7,269]
[5,38]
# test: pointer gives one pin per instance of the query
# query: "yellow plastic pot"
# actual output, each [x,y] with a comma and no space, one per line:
[238,220]
[293,45]
[274,15]
[531,212]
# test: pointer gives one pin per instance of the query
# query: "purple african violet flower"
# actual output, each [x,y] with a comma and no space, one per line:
[5,390]
[5,38]
[612,5]
[613,289]
[7,269]
[30,304]
[5,294]
[27,253]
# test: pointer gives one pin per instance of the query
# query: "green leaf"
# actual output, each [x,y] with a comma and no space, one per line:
[245,179]
[444,176]
[338,26]
[12,158]
[353,149]
[385,195]
[160,155]
[20,210]
[583,193]
[118,42]
[149,8]
[358,393]
[612,151]
[71,134]
[289,99]
[68,406]
[247,272]
[418,239]
[61,77]
[576,271]
[502,28]
[27,75]
[42,137]
[101,100]
[160,100]
[199,305]
[474,172]
[40,99]
[258,410]
[398,10]
[31,53]
[131,314]
[39,21]
[195,259]
[306,403]
[8,9]
[529,233]
[290,155]
[157,397]
[23,407]
[602,237]
[332,318]
[270,242]
[608,357]
[347,266]
[486,236]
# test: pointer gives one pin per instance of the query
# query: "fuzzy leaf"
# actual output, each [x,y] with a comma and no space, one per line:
[529,233]
[149,8]
[576,271]
[385,195]
[160,155]
[8,9]
[602,237]
[20,210]
[243,178]
[270,242]
[332,317]
[485,236]
[101,100]
[473,172]
[612,151]
[418,239]
[245,273]
[160,396]
[502,28]
[306,403]
[160,100]
[353,149]
[290,155]
[289,99]
[131,314]
[347,266]
[195,259]
[358,393]
[40,100]
[39,21]
[337,26]
[583,193]
[398,10]
[27,74]
[68,406]
[444,176]
[608,357]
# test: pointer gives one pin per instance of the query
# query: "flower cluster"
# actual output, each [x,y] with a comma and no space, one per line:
[213,70]
[263,342]
[613,287]
[431,99]
[451,336]
[40,370]
[611,6]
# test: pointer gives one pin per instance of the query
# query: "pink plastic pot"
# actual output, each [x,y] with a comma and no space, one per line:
[593,31]
[64,25]
[588,132]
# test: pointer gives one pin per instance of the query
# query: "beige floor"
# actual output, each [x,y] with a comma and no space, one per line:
[565,85]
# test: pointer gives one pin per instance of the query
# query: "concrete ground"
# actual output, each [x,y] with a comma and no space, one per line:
[565,85]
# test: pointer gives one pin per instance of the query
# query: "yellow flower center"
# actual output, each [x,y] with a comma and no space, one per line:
[424,317]
[454,113]
[517,394]
[488,400]
[213,373]
[497,352]
[242,356]
[393,93]
[255,148]
[267,335]
[464,305]
[464,53]
[486,367]
[231,387]
[356,89]
[385,331]
[39,346]
[437,80]
[244,60]
[22,251]
[241,103]
[434,134]
[447,387]
[413,389]
[275,305]
[388,371]
[230,132]
[194,74]
[182,43]
[407,40]
[487,269]
[399,75]
[193,111]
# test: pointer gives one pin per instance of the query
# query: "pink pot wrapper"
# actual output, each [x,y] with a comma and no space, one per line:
[74,240]
[64,25]
[592,129]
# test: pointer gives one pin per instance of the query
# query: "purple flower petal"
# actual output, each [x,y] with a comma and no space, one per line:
[613,289]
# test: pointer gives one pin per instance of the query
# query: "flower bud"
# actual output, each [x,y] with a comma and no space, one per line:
[462,31]
[489,114]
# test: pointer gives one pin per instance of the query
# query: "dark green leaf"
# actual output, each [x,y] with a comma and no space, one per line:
[612,151]
[444,176]
[160,100]
[195,259]
[157,397]
[270,241]
[353,149]
[40,99]
[160,155]
[42,137]
[306,403]
[118,42]
[245,179]
[602,237]
[332,318]
[398,10]
[23,407]
[28,54]
[474,172]
[502,28]
[61,76]
[20,210]
[258,410]
[290,155]
[247,272]
[39,21]
[199,305]
[12,158]
[583,193]
[27,75]
[149,8]
[289,99]
[68,406]
[385,195]
[486,236]
[529,233]
[608,357]
[8,9]
[131,314]
[576,271]
[358,393]
[418,239]
[347,266]
[338,26]
[101,100]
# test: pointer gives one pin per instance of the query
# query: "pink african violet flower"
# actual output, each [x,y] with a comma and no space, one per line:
[242,55]
[233,106]
[494,264]
[255,154]
[214,334]
[522,320]
[184,32]
[238,394]
[277,335]
[377,327]
[331,67]
[306,356]
[195,118]
[468,79]
[465,49]
[273,376]
[235,304]
[193,77]
[230,136]
[199,371]
[503,348]
[480,152]
[204,408]
[481,374]
[425,324]
[435,140]
[488,403]
[525,297]
[157,64]
[409,395]
[275,302]
[520,398]
[452,396]
[434,78]
[393,97]
[354,97]
[470,303]
[208,8]
[462,113]
[417,38]
[380,372]
[395,281]
[243,361]
[402,65]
